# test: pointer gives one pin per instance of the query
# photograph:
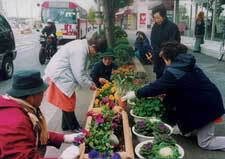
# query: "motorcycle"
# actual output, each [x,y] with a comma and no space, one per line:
[48,48]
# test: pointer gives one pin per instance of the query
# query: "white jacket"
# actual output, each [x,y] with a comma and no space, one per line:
[67,68]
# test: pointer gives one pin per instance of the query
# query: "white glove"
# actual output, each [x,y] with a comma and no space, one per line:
[70,138]
[71,152]
[129,95]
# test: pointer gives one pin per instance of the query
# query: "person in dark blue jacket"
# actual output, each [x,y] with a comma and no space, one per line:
[142,47]
[196,101]
[102,70]
[162,31]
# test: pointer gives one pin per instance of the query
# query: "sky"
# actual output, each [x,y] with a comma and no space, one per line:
[28,8]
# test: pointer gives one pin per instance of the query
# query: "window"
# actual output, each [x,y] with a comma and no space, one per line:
[59,15]
[4,26]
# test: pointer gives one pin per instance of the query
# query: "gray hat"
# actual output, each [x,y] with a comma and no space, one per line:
[26,83]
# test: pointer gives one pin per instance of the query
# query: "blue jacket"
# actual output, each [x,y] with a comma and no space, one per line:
[196,99]
[143,46]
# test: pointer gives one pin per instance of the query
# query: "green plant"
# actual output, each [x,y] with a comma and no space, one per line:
[123,53]
[147,127]
[163,146]
[152,107]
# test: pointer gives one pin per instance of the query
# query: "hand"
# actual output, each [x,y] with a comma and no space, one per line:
[70,137]
[149,56]
[93,87]
[129,95]
[102,80]
[71,152]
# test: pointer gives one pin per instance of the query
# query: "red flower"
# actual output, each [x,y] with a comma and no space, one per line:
[111,104]
[85,132]
[90,113]
[105,100]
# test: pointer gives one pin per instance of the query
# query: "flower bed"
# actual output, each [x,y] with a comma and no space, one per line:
[125,149]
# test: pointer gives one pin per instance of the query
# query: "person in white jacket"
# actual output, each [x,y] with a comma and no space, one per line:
[66,71]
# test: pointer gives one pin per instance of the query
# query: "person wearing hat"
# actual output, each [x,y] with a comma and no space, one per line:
[50,30]
[102,70]
[23,129]
[67,71]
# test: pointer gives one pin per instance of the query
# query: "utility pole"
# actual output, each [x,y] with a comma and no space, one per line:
[206,22]
[214,19]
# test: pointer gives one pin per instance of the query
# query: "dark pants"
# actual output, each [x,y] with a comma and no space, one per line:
[159,66]
[69,121]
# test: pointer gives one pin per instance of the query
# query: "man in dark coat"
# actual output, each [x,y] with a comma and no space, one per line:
[102,70]
[197,101]
[50,30]
[162,31]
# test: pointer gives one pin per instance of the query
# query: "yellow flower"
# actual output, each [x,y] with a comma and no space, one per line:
[113,89]
[111,97]
[116,97]
[96,101]
[97,93]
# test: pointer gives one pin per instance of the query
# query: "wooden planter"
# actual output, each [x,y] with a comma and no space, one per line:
[92,101]
[128,153]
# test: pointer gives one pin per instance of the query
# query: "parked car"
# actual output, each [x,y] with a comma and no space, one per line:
[7,49]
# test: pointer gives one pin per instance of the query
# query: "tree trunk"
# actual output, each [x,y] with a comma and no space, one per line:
[109,18]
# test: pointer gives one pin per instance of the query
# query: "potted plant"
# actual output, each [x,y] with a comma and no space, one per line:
[99,18]
[145,129]
[161,147]
[144,108]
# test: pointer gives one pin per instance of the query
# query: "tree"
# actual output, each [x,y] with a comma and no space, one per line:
[91,15]
[109,9]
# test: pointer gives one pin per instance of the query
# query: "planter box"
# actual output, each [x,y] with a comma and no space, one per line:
[129,152]
[92,101]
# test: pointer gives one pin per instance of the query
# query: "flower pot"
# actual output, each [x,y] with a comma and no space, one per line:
[138,147]
[142,138]
[127,135]
[130,102]
[136,118]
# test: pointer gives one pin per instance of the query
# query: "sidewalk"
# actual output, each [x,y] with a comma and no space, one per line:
[209,48]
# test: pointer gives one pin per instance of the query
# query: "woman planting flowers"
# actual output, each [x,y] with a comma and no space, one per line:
[196,102]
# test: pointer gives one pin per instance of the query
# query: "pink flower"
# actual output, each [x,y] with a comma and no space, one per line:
[105,100]
[85,132]
[99,119]
[111,104]
[79,139]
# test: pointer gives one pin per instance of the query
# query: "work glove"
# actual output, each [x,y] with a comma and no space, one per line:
[71,152]
[70,137]
[129,95]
